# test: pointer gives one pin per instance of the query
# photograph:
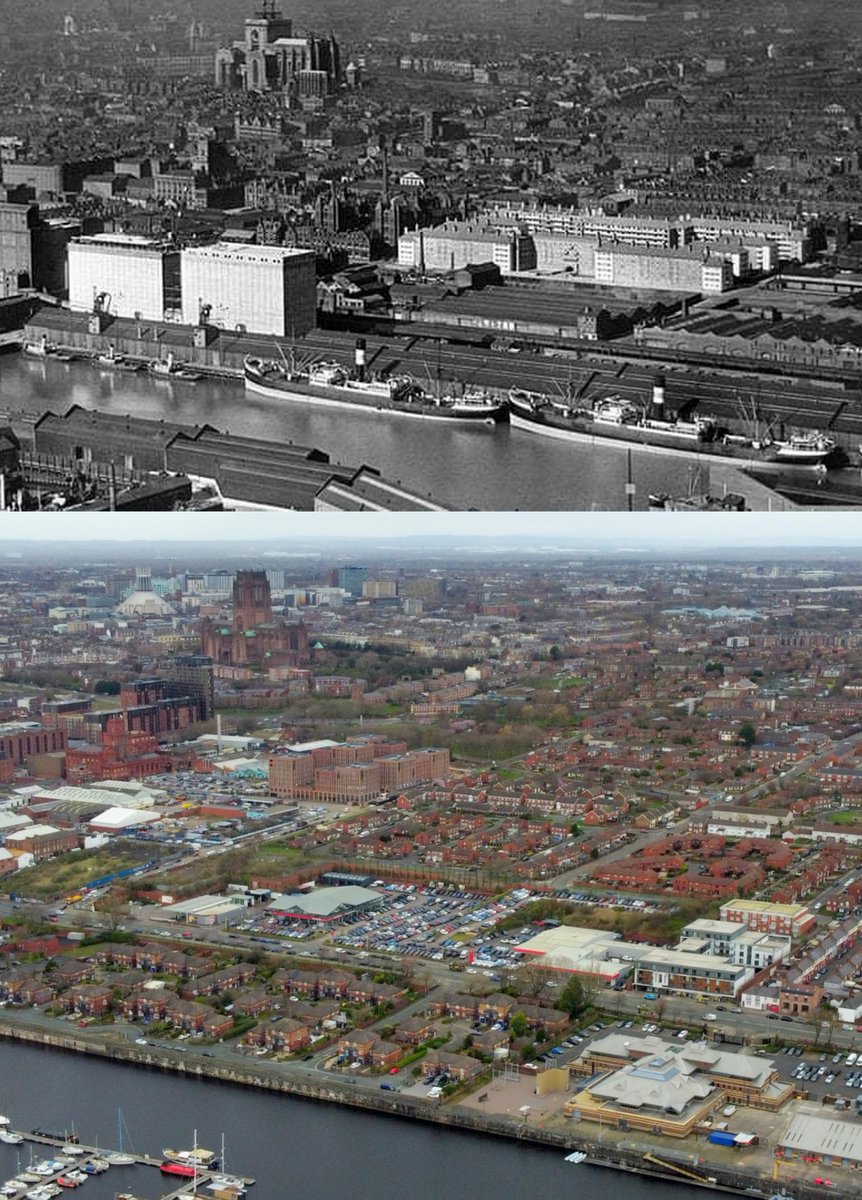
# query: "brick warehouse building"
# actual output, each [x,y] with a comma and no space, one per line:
[122,755]
[19,740]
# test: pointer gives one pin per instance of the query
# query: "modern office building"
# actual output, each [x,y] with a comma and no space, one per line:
[255,289]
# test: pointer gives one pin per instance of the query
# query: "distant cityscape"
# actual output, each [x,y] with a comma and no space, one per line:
[659,188]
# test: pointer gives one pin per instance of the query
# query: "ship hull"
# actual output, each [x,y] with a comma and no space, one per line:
[634,437]
[298,392]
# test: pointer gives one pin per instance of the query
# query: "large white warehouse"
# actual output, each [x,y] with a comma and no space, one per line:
[259,289]
[134,274]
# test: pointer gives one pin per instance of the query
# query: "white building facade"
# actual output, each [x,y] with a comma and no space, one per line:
[258,289]
[129,272]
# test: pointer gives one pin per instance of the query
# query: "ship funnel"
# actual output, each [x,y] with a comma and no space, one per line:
[658,395]
[359,358]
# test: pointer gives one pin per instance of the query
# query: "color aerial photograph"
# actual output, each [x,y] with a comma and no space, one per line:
[499,854]
[492,255]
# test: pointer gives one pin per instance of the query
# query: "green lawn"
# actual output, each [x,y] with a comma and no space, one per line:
[852,816]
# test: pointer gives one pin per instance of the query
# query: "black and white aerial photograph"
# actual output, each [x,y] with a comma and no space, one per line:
[561,255]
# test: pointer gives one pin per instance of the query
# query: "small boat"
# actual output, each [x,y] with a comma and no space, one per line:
[65,355]
[64,1181]
[577,1156]
[57,1137]
[110,360]
[41,349]
[10,1138]
[226,1183]
[120,1158]
[203,1158]
[166,368]
[73,1150]
[186,1170]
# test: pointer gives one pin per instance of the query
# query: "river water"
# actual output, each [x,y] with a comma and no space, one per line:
[296,1149]
[487,469]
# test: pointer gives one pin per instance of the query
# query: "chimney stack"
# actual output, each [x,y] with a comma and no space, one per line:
[658,396]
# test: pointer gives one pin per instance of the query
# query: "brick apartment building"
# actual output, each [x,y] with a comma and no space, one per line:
[353,772]
[792,920]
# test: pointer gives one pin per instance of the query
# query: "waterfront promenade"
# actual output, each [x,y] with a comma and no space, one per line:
[659,1158]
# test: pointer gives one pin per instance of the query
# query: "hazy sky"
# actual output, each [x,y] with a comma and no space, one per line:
[630,529]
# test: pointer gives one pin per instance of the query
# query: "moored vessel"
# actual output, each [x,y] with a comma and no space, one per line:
[166,368]
[185,1170]
[203,1158]
[330,383]
[615,420]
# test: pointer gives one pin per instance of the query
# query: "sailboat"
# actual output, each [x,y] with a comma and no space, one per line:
[6,1134]
[120,1158]
[223,1184]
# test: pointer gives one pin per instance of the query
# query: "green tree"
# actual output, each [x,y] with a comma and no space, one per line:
[519,1024]
[747,734]
[556,653]
[573,998]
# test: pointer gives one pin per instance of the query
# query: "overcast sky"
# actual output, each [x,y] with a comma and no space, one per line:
[813,529]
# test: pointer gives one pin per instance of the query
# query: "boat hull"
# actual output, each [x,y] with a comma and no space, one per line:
[332,397]
[184,1170]
[633,437]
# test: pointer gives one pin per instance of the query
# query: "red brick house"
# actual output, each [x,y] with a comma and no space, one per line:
[187,1015]
[357,1045]
[94,999]
[217,1024]
[283,1034]
[415,1030]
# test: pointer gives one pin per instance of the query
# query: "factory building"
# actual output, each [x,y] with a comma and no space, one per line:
[255,289]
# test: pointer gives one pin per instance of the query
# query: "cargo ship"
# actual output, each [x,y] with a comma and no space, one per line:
[613,419]
[331,384]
